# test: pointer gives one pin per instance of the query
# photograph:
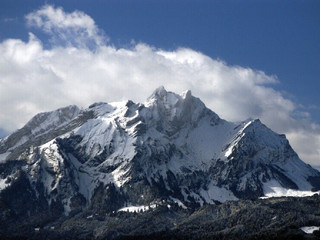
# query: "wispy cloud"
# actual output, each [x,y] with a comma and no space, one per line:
[63,27]
[34,79]
[9,19]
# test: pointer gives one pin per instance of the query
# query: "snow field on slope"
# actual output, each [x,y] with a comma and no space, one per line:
[207,141]
[3,156]
[274,189]
[98,133]
[137,209]
[298,171]
[216,193]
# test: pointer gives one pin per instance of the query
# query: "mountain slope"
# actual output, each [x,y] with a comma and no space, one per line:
[171,149]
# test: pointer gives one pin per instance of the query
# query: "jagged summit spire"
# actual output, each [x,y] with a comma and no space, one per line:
[168,99]
[161,93]
[176,110]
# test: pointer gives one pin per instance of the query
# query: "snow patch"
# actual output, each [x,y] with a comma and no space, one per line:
[180,204]
[274,189]
[3,184]
[310,230]
[137,209]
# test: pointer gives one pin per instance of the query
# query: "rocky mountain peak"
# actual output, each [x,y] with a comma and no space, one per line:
[159,92]
[169,99]
[176,110]
[171,152]
[172,148]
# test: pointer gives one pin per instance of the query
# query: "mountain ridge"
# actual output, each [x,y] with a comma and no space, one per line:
[171,148]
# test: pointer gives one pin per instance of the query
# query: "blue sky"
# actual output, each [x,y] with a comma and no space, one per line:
[279,38]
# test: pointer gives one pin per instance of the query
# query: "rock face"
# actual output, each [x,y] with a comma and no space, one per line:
[171,149]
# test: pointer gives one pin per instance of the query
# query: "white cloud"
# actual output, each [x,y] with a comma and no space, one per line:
[34,79]
[62,26]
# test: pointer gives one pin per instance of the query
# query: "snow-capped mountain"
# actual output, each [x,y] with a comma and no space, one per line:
[172,148]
